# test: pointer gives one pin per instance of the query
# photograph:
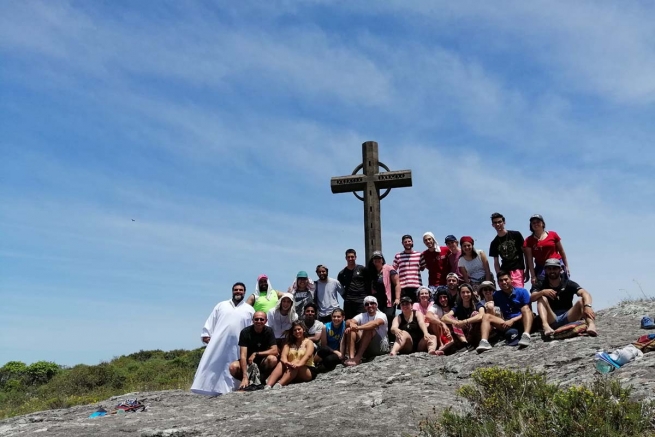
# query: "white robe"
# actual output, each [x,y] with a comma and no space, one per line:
[223,326]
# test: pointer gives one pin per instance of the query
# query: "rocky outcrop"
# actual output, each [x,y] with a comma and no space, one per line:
[387,396]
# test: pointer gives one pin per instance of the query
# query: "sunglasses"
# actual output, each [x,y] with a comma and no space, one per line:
[259,319]
[369,303]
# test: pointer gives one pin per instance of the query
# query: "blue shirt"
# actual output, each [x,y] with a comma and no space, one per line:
[511,305]
[334,335]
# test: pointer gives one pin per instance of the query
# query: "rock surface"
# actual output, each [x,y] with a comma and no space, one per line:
[385,397]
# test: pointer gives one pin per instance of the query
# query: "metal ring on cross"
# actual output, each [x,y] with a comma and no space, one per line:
[361,166]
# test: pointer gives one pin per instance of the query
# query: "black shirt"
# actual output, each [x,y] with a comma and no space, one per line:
[510,249]
[565,292]
[257,342]
[354,283]
[462,313]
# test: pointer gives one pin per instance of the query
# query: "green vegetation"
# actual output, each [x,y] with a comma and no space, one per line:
[508,403]
[44,385]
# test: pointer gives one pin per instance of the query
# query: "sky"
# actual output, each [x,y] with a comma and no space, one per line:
[154,153]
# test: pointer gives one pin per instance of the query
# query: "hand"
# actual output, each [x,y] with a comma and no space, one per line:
[533,280]
[205,340]
[568,271]
[244,383]
[526,276]
[251,358]
[396,302]
[292,365]
[508,324]
[589,313]
[549,293]
[339,354]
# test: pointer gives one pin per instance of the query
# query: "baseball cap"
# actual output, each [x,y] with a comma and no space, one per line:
[512,337]
[368,299]
[405,299]
[537,216]
[406,236]
[302,274]
[450,238]
[377,254]
[487,284]
[552,262]
[260,277]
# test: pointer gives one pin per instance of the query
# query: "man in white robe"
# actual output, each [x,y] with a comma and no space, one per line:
[221,334]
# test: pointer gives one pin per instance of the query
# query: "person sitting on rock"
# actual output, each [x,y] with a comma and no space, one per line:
[366,333]
[514,304]
[487,290]
[297,359]
[411,332]
[331,352]
[444,333]
[554,297]
[467,315]
[256,345]
[281,317]
[314,327]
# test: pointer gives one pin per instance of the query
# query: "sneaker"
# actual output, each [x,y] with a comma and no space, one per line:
[483,346]
[525,340]
[277,386]
[647,323]
[267,387]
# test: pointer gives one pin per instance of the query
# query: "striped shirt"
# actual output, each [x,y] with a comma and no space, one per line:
[408,267]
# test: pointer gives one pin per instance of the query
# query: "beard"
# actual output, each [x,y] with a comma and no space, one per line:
[237,297]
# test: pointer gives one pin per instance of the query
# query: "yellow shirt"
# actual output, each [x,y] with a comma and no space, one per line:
[296,354]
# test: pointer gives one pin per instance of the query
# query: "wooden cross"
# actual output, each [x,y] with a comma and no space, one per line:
[371,182]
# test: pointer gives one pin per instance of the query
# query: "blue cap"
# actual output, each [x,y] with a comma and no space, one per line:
[302,274]
[450,238]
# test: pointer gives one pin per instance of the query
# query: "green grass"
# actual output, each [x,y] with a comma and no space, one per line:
[45,385]
[503,402]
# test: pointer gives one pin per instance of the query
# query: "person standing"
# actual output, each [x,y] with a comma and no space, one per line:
[408,265]
[385,285]
[541,246]
[327,292]
[508,248]
[435,259]
[455,252]
[302,294]
[355,285]
[221,335]
[473,264]
[281,317]
[265,297]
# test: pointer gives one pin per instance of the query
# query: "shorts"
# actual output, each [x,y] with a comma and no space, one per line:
[561,319]
[313,372]
[351,309]
[377,346]
[411,292]
[517,278]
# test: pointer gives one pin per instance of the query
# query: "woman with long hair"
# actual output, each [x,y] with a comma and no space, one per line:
[466,314]
[385,285]
[473,264]
[332,350]
[411,332]
[297,359]
[543,245]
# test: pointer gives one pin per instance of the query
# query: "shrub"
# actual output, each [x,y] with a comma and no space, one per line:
[508,403]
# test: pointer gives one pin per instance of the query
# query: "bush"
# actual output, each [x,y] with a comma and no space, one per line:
[508,403]
[43,385]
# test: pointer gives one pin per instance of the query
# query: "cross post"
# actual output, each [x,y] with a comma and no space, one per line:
[371,182]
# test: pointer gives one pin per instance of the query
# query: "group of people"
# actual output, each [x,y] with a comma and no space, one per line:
[273,338]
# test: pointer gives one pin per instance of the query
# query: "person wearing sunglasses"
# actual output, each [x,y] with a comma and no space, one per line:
[366,333]
[257,345]
[221,335]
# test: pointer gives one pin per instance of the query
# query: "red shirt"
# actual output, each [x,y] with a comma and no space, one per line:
[544,249]
[437,265]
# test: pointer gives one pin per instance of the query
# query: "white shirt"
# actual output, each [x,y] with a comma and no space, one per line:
[364,318]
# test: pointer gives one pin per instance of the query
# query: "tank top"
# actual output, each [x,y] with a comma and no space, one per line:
[411,327]
[263,303]
[334,335]
[295,354]
[474,268]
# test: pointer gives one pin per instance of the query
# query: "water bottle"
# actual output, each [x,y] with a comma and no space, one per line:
[604,367]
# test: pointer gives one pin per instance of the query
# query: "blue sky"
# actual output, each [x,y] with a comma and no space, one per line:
[217,127]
